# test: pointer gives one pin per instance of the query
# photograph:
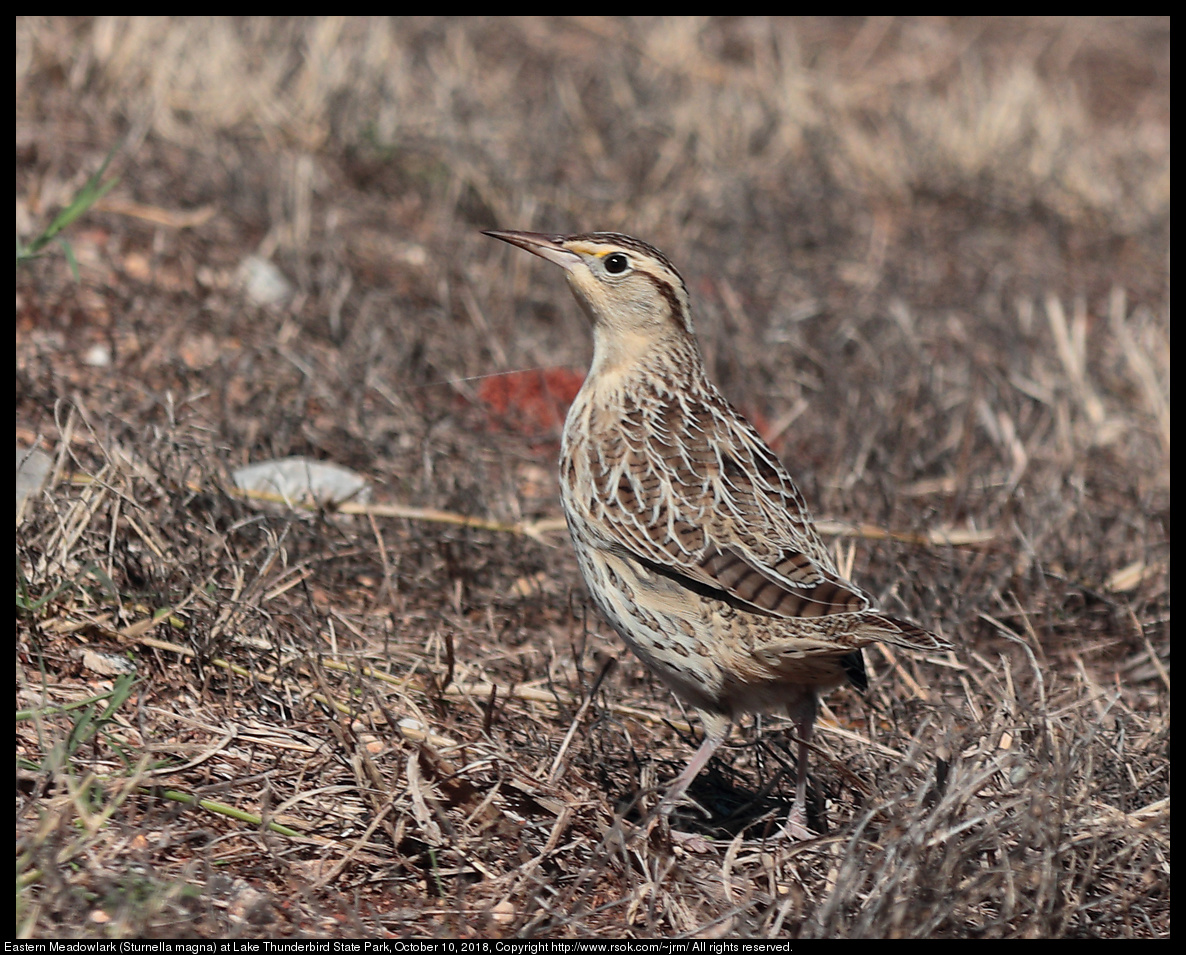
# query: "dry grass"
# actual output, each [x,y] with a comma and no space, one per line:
[929,258]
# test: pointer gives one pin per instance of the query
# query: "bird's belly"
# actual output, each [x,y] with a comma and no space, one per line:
[713,656]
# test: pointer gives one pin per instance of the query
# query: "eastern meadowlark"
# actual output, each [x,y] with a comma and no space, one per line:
[693,540]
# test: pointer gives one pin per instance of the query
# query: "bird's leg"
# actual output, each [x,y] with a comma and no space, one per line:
[803,713]
[699,760]
[716,730]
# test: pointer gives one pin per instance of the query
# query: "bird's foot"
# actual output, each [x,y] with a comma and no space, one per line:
[796,827]
[660,818]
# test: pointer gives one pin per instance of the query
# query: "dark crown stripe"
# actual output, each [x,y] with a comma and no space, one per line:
[631,243]
[675,302]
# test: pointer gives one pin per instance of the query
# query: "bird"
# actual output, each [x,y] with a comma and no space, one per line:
[694,542]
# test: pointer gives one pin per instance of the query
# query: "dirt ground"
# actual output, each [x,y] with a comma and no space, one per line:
[929,258]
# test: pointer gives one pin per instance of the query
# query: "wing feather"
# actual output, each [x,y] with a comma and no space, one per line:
[694,489]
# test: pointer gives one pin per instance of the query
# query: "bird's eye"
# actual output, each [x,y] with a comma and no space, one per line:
[617,263]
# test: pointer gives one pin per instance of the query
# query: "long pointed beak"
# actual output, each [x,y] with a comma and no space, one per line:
[546,246]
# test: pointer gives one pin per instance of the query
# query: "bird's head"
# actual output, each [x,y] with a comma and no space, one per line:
[631,292]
